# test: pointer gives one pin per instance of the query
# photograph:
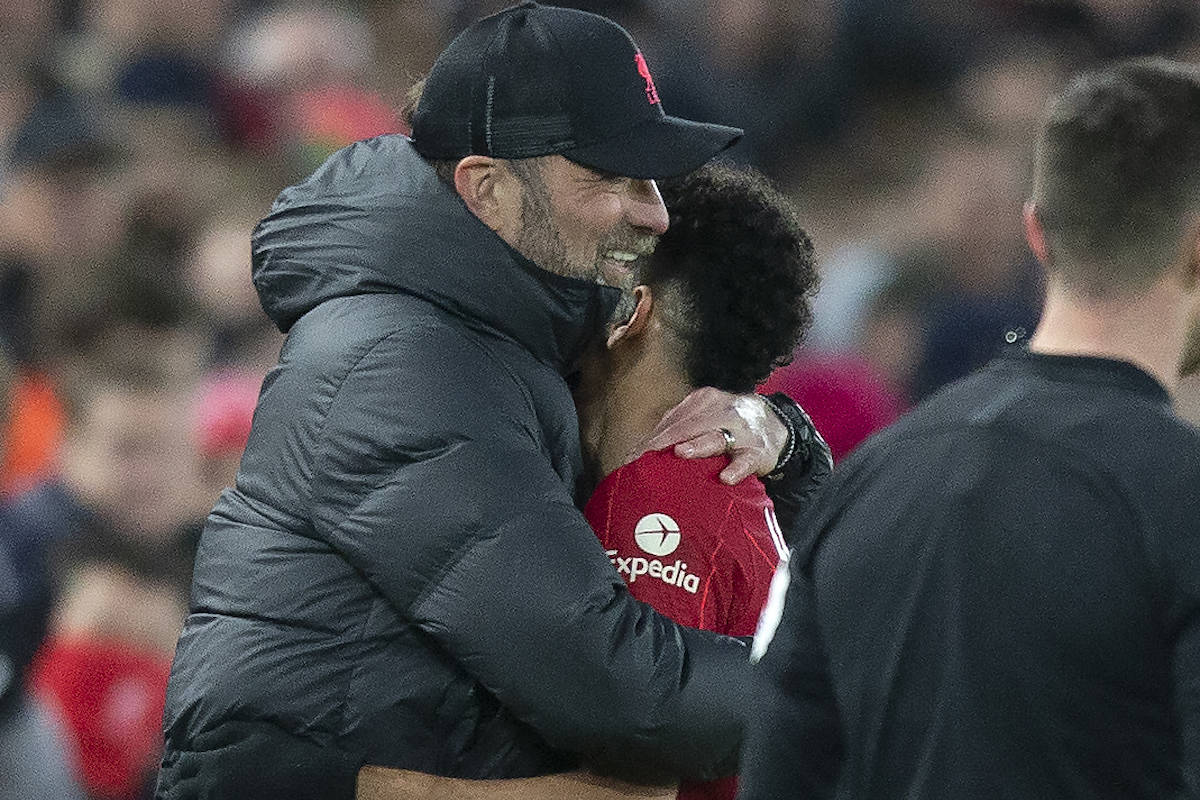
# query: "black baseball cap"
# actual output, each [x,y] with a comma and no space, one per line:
[538,80]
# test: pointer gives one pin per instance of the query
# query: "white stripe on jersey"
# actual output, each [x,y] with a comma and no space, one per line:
[768,620]
[776,533]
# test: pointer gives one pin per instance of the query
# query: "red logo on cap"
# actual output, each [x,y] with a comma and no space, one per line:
[644,71]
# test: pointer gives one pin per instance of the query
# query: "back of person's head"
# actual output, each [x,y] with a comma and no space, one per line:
[1117,178]
[732,276]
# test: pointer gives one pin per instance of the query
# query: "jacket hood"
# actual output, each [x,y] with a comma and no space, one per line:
[375,218]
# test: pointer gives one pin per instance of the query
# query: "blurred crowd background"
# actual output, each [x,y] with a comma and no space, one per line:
[143,139]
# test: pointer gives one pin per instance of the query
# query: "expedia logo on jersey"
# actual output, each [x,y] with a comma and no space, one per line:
[657,535]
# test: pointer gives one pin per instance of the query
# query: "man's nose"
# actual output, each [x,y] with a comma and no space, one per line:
[644,207]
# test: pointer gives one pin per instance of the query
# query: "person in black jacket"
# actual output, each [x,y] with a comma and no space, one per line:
[723,300]
[400,576]
[999,597]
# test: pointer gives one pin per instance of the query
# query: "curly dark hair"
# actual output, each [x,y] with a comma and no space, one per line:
[741,271]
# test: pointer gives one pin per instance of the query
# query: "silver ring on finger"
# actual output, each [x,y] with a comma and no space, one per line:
[728,440]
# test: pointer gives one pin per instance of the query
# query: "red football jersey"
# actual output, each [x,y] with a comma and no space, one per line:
[700,552]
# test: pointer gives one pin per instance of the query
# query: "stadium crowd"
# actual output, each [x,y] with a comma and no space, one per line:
[143,141]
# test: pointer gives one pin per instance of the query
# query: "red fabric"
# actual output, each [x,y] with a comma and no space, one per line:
[337,115]
[700,552]
[845,397]
[225,412]
[111,697]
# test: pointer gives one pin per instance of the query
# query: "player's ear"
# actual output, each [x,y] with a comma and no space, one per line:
[636,324]
[489,191]
[1035,234]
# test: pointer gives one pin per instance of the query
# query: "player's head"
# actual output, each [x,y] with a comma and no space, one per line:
[1117,179]
[728,287]
[547,122]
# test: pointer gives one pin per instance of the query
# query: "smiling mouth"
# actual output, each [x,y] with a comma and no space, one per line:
[616,270]
[616,264]
[622,258]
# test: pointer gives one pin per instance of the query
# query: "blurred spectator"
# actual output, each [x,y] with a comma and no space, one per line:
[291,83]
[850,279]
[127,506]
[224,413]
[61,145]
[155,52]
[899,47]
[52,193]
[894,332]
[971,210]
[111,695]
[59,215]
[127,470]
[16,96]
[768,67]
[218,278]
[143,280]
[34,762]
[844,396]
[1002,95]
[28,33]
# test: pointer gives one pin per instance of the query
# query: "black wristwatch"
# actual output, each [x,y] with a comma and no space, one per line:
[804,442]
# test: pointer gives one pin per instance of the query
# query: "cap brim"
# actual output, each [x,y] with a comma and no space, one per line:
[659,148]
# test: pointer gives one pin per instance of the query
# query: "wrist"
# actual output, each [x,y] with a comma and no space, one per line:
[776,403]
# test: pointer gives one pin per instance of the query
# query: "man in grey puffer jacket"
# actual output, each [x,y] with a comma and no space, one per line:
[400,576]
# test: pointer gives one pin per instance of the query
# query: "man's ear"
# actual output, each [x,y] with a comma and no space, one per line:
[479,181]
[1035,234]
[638,320]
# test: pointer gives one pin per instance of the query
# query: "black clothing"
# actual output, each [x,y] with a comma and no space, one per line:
[805,471]
[400,573]
[44,533]
[28,540]
[25,603]
[16,311]
[998,597]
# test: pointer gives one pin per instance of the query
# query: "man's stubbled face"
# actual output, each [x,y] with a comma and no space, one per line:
[583,224]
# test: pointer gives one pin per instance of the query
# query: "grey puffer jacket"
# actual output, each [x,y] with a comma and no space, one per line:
[401,572]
